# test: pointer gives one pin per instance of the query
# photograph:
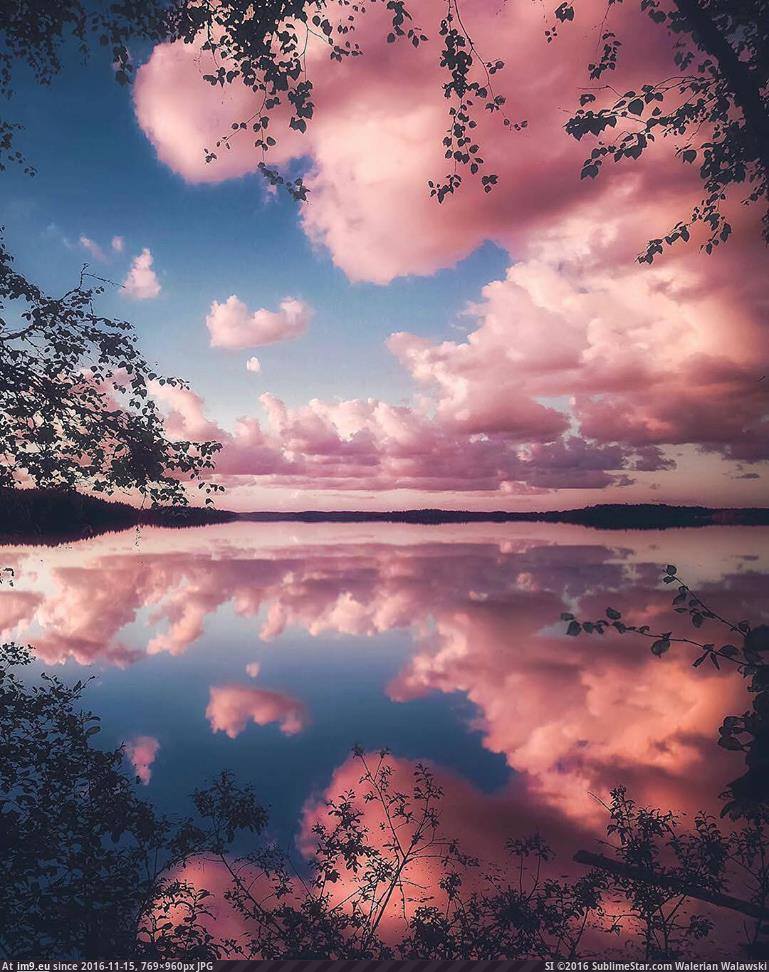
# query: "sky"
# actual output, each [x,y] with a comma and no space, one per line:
[373,349]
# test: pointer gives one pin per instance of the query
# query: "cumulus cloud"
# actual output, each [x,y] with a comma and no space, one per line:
[17,609]
[254,365]
[232,707]
[663,357]
[371,444]
[581,369]
[142,283]
[232,325]
[496,654]
[376,138]
[184,413]
[118,244]
[141,751]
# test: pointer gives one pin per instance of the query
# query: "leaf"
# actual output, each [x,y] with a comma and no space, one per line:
[636,106]
[689,155]
[574,628]
[612,614]
[729,742]
[660,647]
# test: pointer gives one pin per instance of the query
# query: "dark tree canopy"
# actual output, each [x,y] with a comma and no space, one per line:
[75,399]
[715,109]
[89,866]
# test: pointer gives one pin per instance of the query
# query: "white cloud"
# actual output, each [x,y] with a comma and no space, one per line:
[142,282]
[232,325]
[118,244]
[254,364]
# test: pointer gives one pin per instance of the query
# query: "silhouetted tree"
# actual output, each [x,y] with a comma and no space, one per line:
[75,403]
[88,866]
[715,109]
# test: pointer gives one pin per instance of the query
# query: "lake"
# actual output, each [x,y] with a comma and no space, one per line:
[271,649]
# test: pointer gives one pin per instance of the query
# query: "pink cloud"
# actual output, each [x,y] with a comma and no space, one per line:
[93,248]
[254,365]
[581,369]
[17,608]
[574,716]
[661,356]
[141,751]
[376,137]
[142,283]
[232,707]
[231,324]
[81,620]
[184,413]
[370,444]
[118,244]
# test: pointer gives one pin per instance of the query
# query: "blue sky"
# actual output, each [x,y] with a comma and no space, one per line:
[533,399]
[98,176]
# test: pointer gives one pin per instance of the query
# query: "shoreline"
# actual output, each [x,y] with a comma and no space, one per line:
[52,516]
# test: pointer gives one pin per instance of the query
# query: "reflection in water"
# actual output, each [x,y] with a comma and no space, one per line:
[141,753]
[444,643]
[232,706]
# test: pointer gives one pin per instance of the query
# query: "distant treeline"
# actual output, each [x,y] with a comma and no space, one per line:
[612,516]
[50,515]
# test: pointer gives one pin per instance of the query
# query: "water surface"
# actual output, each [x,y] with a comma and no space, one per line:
[272,648]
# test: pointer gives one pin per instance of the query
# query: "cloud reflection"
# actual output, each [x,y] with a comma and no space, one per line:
[480,605]
[232,707]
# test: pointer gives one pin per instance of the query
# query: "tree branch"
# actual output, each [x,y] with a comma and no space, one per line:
[661,879]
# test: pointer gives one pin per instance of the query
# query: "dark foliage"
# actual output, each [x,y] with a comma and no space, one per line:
[55,515]
[75,403]
[85,860]
[715,108]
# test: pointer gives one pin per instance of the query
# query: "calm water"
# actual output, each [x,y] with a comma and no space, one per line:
[272,649]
